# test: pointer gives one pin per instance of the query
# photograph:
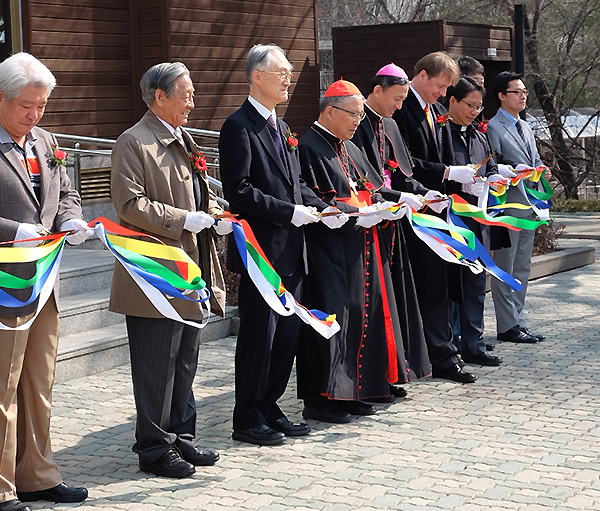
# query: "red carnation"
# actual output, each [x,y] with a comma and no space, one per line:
[369,186]
[58,157]
[393,165]
[293,141]
[483,125]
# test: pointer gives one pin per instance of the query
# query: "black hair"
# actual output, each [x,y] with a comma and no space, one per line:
[469,65]
[463,88]
[501,82]
[386,81]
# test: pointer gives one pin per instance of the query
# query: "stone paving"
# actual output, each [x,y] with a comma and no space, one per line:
[525,436]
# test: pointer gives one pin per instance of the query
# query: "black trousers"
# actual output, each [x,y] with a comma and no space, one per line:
[264,355]
[164,357]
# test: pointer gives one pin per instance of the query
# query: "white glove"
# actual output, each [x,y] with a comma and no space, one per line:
[303,215]
[368,209]
[368,221]
[438,207]
[334,221]
[461,173]
[505,171]
[494,178]
[386,214]
[222,227]
[26,231]
[195,221]
[475,188]
[412,200]
[83,232]
[521,167]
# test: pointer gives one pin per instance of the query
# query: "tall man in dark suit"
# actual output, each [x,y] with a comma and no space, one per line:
[424,127]
[260,171]
[36,195]
[513,143]
[157,190]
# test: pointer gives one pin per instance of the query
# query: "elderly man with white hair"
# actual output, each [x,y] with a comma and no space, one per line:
[36,197]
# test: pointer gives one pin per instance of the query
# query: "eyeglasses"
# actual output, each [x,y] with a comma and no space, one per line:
[284,75]
[473,107]
[355,115]
[524,93]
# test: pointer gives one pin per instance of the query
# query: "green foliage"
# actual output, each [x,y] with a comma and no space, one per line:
[575,205]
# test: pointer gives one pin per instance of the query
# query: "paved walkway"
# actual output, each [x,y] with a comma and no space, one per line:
[525,436]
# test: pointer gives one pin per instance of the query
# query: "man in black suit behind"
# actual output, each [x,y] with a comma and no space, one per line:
[424,126]
[260,171]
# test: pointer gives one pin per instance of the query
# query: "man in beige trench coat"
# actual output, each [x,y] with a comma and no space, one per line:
[157,190]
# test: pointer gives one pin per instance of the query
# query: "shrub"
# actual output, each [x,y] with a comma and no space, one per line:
[575,205]
[545,240]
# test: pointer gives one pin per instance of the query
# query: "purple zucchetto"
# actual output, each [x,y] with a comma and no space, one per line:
[392,70]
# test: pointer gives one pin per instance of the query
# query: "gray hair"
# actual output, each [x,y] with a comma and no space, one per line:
[259,57]
[338,101]
[24,70]
[161,76]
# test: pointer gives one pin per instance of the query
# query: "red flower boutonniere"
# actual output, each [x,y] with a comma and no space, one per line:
[198,162]
[291,139]
[442,120]
[391,165]
[365,184]
[58,157]
[482,126]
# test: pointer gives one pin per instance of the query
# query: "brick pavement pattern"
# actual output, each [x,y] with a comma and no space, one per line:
[525,436]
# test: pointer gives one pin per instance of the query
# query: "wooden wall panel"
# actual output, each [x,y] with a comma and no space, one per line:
[212,37]
[86,44]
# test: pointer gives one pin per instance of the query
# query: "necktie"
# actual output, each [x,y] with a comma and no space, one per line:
[276,136]
[428,116]
[521,133]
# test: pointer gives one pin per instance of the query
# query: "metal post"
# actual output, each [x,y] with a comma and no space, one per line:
[77,169]
[520,40]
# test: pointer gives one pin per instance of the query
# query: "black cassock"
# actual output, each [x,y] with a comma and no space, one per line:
[348,276]
[380,141]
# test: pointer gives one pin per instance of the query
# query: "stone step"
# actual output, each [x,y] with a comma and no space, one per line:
[86,311]
[85,270]
[93,351]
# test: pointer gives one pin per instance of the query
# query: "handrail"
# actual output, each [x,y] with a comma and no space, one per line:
[77,140]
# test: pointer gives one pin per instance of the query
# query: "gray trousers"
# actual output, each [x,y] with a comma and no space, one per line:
[164,357]
[516,260]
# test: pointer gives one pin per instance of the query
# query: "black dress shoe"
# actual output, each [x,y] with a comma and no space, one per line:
[489,347]
[259,435]
[381,399]
[454,373]
[327,413]
[398,391]
[169,464]
[201,457]
[14,505]
[483,358]
[357,408]
[288,428]
[460,362]
[526,331]
[515,335]
[60,493]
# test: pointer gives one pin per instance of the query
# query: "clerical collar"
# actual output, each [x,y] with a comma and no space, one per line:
[261,109]
[379,117]
[320,126]
[419,98]
[176,132]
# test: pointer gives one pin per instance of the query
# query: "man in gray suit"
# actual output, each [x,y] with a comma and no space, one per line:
[158,188]
[35,196]
[513,143]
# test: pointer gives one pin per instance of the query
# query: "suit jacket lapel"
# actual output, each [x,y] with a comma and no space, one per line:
[14,158]
[45,172]
[415,106]
[262,132]
[512,129]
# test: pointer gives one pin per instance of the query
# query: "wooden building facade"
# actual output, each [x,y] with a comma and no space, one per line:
[99,49]
[359,52]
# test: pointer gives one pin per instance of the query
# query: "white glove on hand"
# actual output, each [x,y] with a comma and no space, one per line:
[26,231]
[368,221]
[475,188]
[505,170]
[461,173]
[195,221]
[494,178]
[222,227]
[386,214]
[412,200]
[334,221]
[438,207]
[303,215]
[79,225]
